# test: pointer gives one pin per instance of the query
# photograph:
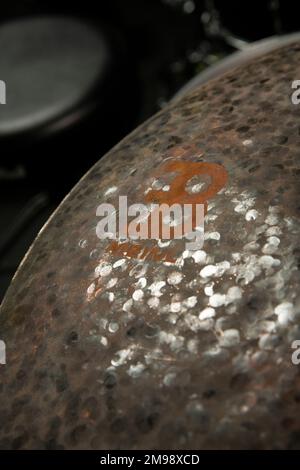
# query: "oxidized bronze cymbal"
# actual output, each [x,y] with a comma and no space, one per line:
[146,344]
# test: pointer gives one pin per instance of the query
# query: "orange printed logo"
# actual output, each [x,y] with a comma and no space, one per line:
[168,212]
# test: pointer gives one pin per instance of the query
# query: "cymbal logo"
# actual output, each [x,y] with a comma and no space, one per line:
[169,211]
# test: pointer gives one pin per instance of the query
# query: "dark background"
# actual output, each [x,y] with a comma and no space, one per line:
[157,46]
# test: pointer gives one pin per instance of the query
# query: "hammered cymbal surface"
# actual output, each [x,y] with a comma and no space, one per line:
[91,367]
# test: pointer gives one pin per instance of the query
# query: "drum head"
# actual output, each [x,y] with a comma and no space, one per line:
[50,65]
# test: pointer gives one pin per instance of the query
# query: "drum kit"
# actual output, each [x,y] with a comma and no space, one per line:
[113,345]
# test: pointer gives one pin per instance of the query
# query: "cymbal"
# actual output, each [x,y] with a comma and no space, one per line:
[146,344]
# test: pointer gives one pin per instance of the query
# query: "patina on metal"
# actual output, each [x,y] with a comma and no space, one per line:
[106,351]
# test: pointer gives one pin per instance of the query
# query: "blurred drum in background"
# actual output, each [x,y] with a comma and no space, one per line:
[63,79]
